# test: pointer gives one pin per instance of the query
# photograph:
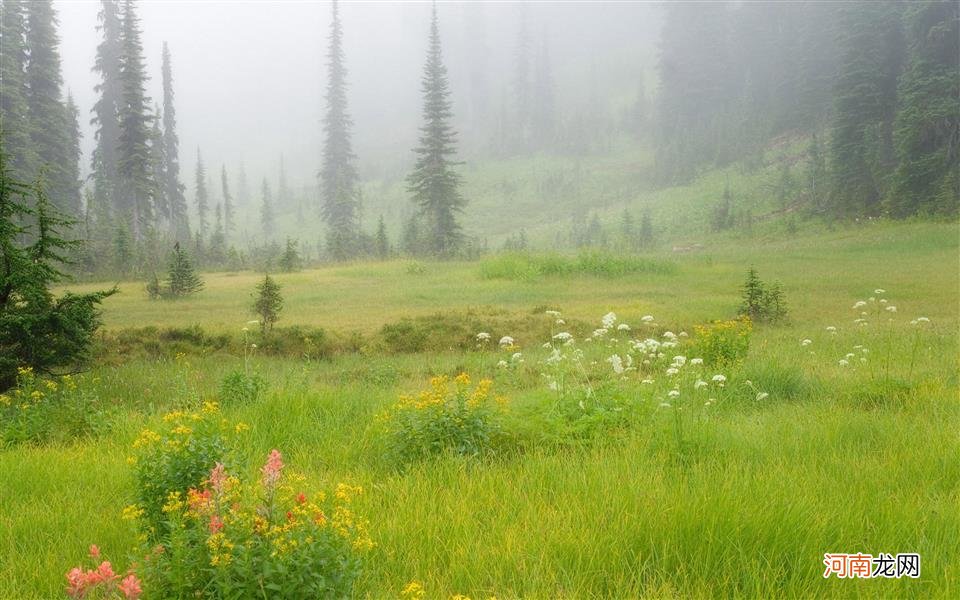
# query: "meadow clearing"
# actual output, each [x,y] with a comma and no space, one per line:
[598,480]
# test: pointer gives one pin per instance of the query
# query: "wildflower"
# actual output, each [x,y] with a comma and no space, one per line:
[883,300]
[696,361]
[674,393]
[131,512]
[218,478]
[130,587]
[563,336]
[879,291]
[561,322]
[699,384]
[598,333]
[647,381]
[721,379]
[617,363]
[216,524]
[859,304]
[664,405]
[762,396]
[647,319]
[923,320]
[76,582]
[240,427]
[506,341]
[253,346]
[832,329]
[669,335]
[608,320]
[892,308]
[483,336]
[271,470]
[94,551]
[516,357]
[672,371]
[553,313]
[683,334]
[502,364]
[844,362]
[301,498]
[413,591]
[679,360]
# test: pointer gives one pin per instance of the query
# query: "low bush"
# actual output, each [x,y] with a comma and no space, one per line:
[724,342]
[241,387]
[39,411]
[451,416]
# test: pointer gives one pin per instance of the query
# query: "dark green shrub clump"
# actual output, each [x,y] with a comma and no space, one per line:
[761,301]
[240,387]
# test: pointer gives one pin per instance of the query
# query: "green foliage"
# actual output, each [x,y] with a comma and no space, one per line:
[177,458]
[241,387]
[37,329]
[290,260]
[182,279]
[40,411]
[762,302]
[267,304]
[527,266]
[449,417]
[724,342]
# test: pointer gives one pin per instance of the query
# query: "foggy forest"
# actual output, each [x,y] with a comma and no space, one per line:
[309,299]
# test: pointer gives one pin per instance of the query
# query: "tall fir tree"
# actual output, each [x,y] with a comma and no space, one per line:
[266,211]
[434,184]
[338,175]
[927,127]
[173,188]
[228,208]
[382,241]
[14,113]
[136,186]
[106,111]
[74,154]
[861,142]
[158,162]
[201,198]
[48,116]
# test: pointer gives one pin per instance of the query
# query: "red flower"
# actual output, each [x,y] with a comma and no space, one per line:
[301,498]
[94,551]
[216,524]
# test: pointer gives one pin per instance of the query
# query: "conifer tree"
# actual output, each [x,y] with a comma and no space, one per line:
[927,127]
[49,122]
[338,176]
[646,229]
[268,304]
[228,217]
[14,113]
[158,160]
[283,189]
[172,186]
[382,241]
[201,197]
[37,329]
[106,111]
[217,251]
[266,210]
[73,155]
[290,259]
[136,185]
[182,279]
[433,184]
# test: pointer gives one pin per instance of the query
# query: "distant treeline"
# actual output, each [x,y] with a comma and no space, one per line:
[881,77]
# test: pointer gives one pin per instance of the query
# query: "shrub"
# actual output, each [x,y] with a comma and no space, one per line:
[267,304]
[230,539]
[240,387]
[177,458]
[45,410]
[450,416]
[724,342]
[182,278]
[762,302]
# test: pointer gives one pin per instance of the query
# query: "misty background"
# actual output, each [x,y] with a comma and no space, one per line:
[249,76]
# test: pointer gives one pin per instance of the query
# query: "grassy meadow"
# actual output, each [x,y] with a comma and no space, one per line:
[795,456]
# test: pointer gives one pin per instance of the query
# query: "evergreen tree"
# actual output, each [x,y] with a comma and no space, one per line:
[158,160]
[434,185]
[73,156]
[861,142]
[382,241]
[106,111]
[268,304]
[173,188]
[646,229]
[122,250]
[14,113]
[182,279]
[37,329]
[628,234]
[338,174]
[228,218]
[266,210]
[927,127]
[816,173]
[217,251]
[49,121]
[136,185]
[290,259]
[201,197]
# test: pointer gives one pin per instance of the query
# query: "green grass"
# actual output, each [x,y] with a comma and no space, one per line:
[836,460]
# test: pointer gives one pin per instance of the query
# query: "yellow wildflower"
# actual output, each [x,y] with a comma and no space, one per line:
[413,591]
